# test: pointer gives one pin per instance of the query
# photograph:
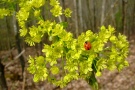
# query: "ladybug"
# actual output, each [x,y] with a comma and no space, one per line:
[87,45]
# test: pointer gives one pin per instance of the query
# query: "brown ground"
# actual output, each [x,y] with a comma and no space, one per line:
[124,80]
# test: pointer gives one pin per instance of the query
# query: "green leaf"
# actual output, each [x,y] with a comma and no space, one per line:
[23,32]
[67,12]
[56,10]
[112,38]
[54,70]
[4,12]
[54,2]
[40,60]
[101,64]
[64,24]
[98,73]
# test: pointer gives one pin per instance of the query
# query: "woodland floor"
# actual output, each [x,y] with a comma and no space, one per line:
[114,80]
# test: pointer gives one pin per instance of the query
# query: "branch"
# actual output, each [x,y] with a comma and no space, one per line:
[60,20]
[15,58]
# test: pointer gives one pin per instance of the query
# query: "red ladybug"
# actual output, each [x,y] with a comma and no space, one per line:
[87,45]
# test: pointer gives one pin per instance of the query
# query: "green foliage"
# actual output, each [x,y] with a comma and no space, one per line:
[4,12]
[37,67]
[66,58]
[67,12]
[108,51]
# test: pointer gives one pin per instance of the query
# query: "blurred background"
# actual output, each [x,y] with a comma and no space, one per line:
[86,15]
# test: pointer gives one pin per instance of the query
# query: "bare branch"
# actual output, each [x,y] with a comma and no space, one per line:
[15,58]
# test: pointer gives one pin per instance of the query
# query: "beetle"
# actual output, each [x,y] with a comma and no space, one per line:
[87,45]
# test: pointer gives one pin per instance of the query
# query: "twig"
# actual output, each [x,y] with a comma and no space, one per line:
[60,20]
[15,59]
[19,55]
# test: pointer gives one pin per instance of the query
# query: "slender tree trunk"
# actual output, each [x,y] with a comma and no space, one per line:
[3,83]
[94,16]
[133,23]
[43,12]
[76,19]
[18,42]
[89,14]
[19,51]
[63,5]
[123,16]
[103,12]
[8,32]
[80,15]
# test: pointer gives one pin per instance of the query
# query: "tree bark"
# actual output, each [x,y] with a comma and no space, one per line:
[94,16]
[80,15]
[18,42]
[133,23]
[103,12]
[76,19]
[3,83]
[123,16]
[89,24]
[64,7]
[8,32]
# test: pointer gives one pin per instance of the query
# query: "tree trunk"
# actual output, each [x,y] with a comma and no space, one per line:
[63,5]
[133,23]
[18,42]
[94,16]
[76,19]
[89,24]
[3,83]
[123,17]
[80,15]
[103,12]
